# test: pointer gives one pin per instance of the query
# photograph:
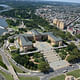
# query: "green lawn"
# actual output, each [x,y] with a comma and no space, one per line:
[29,78]
[12,47]
[75,73]
[14,27]
[1,58]
[16,68]
[7,76]
[61,77]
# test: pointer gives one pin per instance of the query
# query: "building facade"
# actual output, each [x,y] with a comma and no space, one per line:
[59,23]
[25,40]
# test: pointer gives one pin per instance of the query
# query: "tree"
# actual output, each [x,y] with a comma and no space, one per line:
[75,51]
[78,36]
[72,58]
[11,40]
[48,41]
[43,67]
[57,50]
[71,46]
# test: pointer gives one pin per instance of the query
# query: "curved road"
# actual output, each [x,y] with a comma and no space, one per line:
[7,63]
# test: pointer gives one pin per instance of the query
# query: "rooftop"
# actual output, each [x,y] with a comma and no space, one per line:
[25,41]
[54,37]
[35,32]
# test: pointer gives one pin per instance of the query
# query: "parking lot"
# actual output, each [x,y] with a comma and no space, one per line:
[50,55]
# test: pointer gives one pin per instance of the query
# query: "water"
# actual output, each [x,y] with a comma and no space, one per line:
[3,23]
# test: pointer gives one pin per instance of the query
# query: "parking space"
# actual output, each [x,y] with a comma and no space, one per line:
[50,55]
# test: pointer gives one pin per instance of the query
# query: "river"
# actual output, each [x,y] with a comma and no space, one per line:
[3,23]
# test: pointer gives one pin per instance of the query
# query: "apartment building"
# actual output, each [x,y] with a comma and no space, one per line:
[59,23]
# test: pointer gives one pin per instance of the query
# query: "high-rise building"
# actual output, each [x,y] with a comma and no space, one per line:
[59,23]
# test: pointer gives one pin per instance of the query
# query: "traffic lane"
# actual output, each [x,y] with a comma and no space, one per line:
[5,60]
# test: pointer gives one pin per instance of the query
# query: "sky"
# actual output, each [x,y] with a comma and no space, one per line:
[77,1]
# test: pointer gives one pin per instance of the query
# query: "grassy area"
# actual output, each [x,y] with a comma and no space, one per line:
[12,47]
[29,78]
[14,27]
[1,63]
[16,68]
[1,58]
[61,77]
[7,76]
[75,73]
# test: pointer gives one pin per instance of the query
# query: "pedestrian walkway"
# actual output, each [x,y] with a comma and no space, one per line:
[51,56]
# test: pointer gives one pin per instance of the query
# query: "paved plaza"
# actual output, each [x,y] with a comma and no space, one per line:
[51,56]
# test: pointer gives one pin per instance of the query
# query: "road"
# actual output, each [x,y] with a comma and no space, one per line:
[7,63]
[41,75]
[51,74]
[60,71]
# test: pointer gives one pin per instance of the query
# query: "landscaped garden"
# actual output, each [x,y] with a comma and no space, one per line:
[33,61]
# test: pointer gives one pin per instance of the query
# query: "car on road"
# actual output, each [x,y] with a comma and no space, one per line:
[73,67]
[65,71]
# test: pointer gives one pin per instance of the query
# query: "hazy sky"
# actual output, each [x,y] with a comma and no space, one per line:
[78,1]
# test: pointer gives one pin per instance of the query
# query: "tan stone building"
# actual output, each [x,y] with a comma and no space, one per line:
[55,21]
[54,40]
[59,23]
[24,43]
[25,40]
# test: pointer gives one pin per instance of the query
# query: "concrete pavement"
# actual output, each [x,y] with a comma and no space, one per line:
[51,56]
